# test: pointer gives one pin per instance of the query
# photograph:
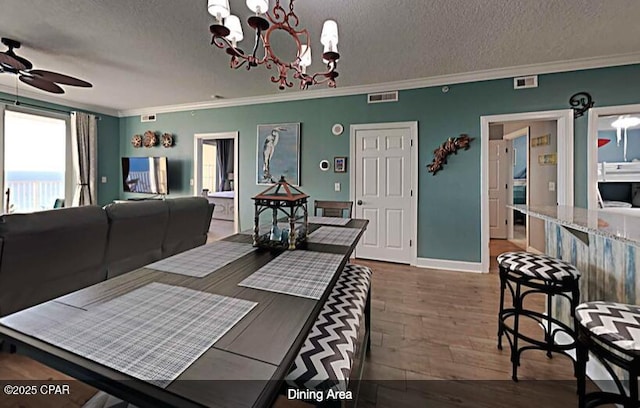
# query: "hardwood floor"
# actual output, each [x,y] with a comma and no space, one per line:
[433,344]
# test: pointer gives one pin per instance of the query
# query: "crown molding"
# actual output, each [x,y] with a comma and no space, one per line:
[485,75]
[58,101]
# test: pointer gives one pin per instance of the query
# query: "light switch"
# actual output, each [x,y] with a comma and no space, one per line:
[103,179]
[337,187]
[191,182]
[552,186]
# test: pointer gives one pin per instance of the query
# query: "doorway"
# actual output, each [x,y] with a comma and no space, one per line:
[34,165]
[552,134]
[518,184]
[384,174]
[215,177]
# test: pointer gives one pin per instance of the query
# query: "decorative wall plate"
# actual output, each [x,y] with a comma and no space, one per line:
[150,139]
[337,129]
[136,141]
[167,140]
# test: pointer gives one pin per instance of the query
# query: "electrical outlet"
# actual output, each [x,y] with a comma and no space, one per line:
[552,186]
[103,179]
[336,186]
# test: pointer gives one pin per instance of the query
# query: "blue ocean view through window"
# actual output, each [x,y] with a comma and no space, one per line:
[34,190]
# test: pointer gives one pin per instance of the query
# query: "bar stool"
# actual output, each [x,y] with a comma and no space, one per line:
[537,274]
[611,332]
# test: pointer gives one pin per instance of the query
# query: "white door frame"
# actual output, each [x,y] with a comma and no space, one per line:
[564,118]
[592,146]
[525,131]
[198,138]
[413,127]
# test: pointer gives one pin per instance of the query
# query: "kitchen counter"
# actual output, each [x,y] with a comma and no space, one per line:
[619,226]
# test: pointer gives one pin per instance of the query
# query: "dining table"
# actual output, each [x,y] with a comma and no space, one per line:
[216,326]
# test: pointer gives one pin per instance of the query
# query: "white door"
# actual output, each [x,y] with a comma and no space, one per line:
[383,193]
[498,188]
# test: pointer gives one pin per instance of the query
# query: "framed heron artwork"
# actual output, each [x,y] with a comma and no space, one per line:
[278,153]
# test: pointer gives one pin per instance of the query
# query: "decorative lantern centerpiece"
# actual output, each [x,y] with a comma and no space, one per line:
[282,199]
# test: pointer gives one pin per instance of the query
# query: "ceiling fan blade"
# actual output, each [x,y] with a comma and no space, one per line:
[11,62]
[60,78]
[41,84]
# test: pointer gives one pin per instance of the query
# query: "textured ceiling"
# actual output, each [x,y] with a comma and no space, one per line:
[141,53]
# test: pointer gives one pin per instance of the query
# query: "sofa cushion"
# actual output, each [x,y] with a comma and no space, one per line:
[136,232]
[50,253]
[189,219]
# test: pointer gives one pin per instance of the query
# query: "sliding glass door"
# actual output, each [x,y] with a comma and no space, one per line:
[35,161]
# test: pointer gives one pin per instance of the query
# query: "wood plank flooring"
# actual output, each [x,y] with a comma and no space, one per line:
[433,345]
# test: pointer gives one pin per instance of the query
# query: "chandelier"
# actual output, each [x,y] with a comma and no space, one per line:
[227,33]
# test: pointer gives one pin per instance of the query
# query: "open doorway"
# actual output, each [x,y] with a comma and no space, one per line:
[215,177]
[530,178]
[544,178]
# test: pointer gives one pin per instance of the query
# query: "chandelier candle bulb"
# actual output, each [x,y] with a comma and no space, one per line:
[258,6]
[219,9]
[235,29]
[329,34]
[305,57]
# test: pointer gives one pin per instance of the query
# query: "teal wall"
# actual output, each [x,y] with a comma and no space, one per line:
[108,148]
[449,203]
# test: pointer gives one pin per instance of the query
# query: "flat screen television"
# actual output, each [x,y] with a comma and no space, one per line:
[146,175]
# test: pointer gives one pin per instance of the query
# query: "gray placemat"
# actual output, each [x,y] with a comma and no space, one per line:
[297,273]
[203,260]
[153,333]
[334,236]
[329,220]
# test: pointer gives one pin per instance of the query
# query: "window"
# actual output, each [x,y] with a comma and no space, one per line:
[34,161]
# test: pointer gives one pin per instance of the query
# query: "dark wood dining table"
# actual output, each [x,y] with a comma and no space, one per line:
[244,368]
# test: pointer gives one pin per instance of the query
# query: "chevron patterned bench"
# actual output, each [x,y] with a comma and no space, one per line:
[339,335]
[611,332]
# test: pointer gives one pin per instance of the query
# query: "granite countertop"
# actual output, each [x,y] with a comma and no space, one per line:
[615,225]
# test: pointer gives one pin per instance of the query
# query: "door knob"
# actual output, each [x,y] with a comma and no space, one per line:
[359,202]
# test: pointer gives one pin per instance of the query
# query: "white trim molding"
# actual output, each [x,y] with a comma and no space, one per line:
[447,265]
[197,153]
[592,146]
[564,118]
[440,80]
[415,166]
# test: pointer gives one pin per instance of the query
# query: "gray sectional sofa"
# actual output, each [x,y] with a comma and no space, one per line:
[48,254]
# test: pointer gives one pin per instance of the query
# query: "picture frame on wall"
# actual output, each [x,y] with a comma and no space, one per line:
[339,164]
[278,153]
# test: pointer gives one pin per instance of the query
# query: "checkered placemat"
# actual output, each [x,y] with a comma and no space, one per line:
[153,333]
[329,220]
[201,261]
[334,236]
[298,273]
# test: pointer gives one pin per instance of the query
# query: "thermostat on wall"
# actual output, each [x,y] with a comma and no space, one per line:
[337,129]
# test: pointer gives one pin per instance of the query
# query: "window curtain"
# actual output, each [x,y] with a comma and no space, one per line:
[84,136]
[224,163]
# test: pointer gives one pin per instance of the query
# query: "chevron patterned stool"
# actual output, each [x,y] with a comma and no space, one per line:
[537,274]
[611,332]
[326,359]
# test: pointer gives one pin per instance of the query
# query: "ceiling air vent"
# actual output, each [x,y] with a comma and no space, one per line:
[148,118]
[382,97]
[525,82]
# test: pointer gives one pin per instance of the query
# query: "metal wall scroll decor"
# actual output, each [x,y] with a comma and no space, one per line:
[452,145]
[581,102]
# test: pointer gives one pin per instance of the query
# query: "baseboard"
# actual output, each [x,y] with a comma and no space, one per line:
[447,265]
[534,251]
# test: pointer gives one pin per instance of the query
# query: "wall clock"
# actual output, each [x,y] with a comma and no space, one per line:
[337,129]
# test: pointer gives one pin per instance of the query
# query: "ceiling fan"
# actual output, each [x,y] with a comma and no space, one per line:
[45,80]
